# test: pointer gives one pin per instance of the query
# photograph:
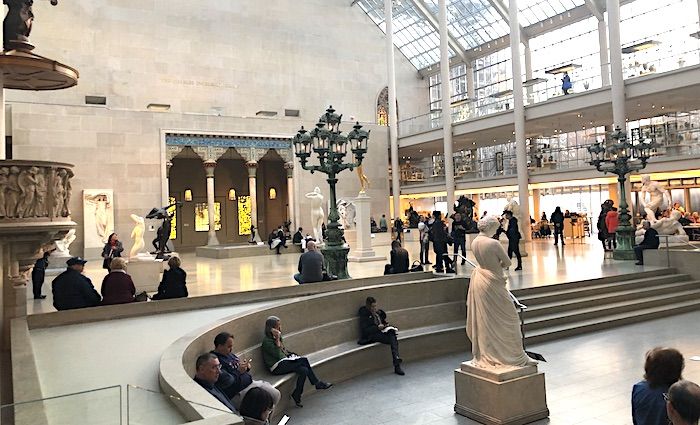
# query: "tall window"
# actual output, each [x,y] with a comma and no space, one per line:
[383,107]
[458,85]
[493,74]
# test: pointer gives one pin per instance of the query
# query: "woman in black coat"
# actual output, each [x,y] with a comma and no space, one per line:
[173,284]
[112,249]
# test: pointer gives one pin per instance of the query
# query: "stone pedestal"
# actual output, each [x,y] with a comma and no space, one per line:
[145,271]
[508,397]
[363,237]
[57,263]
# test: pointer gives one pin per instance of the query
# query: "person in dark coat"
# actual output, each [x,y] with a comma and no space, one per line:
[38,275]
[208,370]
[558,221]
[513,234]
[375,328]
[71,289]
[459,235]
[173,284]
[603,233]
[400,262]
[117,286]
[112,249]
[398,226]
[310,266]
[650,241]
[438,231]
[283,239]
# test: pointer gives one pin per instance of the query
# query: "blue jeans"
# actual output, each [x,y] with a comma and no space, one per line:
[298,278]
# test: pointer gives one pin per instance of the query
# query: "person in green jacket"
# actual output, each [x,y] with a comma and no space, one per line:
[280,361]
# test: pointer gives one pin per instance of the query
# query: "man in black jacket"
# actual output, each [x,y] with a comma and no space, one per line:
[374,328]
[71,289]
[459,234]
[38,274]
[208,370]
[400,262]
[513,234]
[650,241]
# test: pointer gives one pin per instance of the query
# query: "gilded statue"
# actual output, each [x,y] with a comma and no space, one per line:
[364,181]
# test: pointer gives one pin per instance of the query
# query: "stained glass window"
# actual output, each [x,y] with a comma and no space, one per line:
[244,215]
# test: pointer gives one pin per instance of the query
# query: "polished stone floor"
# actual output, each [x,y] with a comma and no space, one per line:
[546,264]
[588,378]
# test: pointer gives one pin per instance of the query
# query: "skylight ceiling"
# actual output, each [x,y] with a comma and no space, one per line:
[471,22]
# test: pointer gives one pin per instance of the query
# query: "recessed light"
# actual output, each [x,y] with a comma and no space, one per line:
[420,150]
[653,106]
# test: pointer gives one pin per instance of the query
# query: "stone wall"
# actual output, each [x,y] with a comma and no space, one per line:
[216,67]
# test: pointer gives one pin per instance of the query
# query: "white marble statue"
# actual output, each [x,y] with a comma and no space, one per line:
[493,325]
[137,236]
[658,197]
[666,226]
[512,206]
[103,204]
[317,214]
[63,246]
[347,212]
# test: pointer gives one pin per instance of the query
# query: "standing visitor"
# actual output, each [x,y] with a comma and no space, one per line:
[424,236]
[382,224]
[38,274]
[566,83]
[558,222]
[112,249]
[513,234]
[440,236]
[459,235]
[398,227]
[612,220]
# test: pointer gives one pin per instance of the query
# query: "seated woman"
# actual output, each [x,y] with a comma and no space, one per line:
[173,284]
[280,361]
[662,368]
[117,286]
[256,407]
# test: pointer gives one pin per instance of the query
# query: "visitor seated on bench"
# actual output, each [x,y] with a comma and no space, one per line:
[208,370]
[683,403]
[399,259]
[71,289]
[650,241]
[173,284]
[256,407]
[297,238]
[117,286]
[235,379]
[280,361]
[310,265]
[375,328]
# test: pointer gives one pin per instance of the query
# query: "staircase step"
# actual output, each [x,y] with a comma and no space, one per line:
[567,293]
[597,281]
[609,321]
[550,306]
[582,314]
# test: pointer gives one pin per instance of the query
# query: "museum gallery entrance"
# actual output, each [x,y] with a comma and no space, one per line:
[233,203]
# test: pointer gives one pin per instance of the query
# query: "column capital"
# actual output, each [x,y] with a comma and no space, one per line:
[252,167]
[209,167]
[289,166]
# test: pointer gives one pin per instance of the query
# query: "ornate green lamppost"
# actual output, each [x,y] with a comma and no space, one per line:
[622,157]
[331,146]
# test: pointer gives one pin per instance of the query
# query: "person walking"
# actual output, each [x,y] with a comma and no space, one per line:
[558,221]
[513,234]
[440,236]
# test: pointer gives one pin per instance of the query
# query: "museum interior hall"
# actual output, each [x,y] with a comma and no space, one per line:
[434,211]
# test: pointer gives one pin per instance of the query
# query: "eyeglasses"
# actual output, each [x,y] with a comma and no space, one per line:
[666,397]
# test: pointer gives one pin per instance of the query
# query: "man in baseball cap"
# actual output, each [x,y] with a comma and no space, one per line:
[72,289]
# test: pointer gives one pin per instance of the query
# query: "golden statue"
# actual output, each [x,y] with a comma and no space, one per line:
[364,181]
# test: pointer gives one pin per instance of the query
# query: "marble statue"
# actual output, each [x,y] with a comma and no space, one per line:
[12,193]
[103,205]
[347,212]
[317,214]
[137,235]
[41,190]
[658,197]
[364,181]
[4,172]
[67,190]
[58,192]
[493,324]
[666,226]
[512,206]
[63,245]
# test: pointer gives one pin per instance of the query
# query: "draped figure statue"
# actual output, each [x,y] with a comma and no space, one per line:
[493,325]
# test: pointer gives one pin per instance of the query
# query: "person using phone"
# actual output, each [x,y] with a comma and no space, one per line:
[281,361]
[375,328]
[235,379]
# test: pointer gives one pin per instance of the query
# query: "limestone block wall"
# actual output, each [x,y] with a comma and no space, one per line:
[216,67]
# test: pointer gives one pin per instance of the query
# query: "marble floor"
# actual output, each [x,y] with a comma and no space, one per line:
[546,264]
[588,378]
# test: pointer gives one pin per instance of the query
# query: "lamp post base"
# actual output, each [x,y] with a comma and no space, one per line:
[624,254]
[336,259]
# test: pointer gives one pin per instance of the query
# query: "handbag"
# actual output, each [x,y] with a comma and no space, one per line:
[416,267]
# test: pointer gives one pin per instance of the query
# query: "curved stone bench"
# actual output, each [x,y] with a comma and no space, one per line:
[324,327]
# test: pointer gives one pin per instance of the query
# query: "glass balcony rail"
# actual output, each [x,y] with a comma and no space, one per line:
[100,406]
[148,407]
[654,60]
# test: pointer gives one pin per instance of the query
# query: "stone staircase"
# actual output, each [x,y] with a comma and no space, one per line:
[573,308]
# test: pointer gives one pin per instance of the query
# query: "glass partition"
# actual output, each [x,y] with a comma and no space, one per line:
[101,406]
[149,407]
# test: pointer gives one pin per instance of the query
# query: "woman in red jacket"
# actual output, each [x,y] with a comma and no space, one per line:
[611,222]
[117,286]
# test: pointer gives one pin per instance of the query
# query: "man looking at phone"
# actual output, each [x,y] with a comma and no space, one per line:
[375,328]
[235,379]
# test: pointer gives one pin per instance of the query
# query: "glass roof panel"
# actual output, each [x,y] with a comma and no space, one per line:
[470,22]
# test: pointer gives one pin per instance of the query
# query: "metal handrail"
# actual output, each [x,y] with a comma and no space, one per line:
[668,252]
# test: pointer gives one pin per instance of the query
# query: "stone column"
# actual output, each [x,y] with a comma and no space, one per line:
[528,70]
[446,90]
[393,116]
[289,166]
[604,60]
[618,83]
[253,192]
[209,167]
[471,90]
[363,245]
[519,118]
[536,204]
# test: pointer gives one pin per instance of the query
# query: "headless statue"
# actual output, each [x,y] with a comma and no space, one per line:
[317,214]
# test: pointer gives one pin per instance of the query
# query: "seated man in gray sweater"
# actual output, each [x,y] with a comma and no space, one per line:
[310,265]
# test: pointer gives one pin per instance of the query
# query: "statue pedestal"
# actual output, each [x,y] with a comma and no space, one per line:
[57,263]
[363,251]
[145,271]
[506,397]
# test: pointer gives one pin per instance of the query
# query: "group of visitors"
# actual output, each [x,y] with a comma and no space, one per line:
[663,397]
[608,221]
[228,378]
[277,240]
[72,289]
